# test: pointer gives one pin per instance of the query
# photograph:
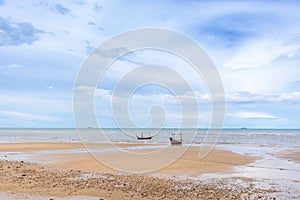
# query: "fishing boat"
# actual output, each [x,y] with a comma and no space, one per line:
[174,141]
[142,137]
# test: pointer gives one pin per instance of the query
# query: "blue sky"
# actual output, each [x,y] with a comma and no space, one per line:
[255,46]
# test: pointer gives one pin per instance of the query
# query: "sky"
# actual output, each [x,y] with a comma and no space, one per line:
[255,46]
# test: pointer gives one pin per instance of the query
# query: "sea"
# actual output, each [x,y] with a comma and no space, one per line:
[262,137]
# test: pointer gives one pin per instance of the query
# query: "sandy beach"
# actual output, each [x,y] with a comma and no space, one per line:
[188,164]
[61,174]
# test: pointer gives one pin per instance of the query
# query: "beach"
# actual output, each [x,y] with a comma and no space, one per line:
[149,100]
[68,171]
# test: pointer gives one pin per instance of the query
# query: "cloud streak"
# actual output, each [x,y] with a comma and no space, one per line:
[234,98]
[247,97]
[27,116]
[252,115]
[11,66]
[262,52]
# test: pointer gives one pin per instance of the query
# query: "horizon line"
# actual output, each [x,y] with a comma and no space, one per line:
[238,128]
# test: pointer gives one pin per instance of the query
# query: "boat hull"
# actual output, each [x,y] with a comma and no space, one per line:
[144,138]
[175,142]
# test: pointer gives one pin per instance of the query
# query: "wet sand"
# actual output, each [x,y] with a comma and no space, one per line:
[38,146]
[188,164]
[291,155]
[79,174]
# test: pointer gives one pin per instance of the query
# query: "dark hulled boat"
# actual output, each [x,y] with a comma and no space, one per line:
[142,137]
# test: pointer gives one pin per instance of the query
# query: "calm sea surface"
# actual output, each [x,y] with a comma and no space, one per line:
[274,137]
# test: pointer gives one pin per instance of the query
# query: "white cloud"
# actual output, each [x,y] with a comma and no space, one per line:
[247,97]
[9,69]
[35,102]
[88,90]
[278,78]
[50,87]
[11,66]
[14,66]
[27,116]
[140,106]
[166,97]
[252,115]
[261,53]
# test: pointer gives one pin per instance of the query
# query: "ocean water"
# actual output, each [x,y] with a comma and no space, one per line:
[249,137]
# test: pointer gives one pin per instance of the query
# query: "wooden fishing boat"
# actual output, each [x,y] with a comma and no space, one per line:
[174,141]
[142,137]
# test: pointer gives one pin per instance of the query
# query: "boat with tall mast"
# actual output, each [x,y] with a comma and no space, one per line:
[142,137]
[174,141]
